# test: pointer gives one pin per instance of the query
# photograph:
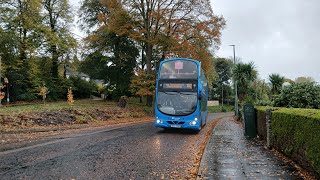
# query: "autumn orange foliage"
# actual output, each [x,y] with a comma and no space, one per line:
[143,84]
[181,28]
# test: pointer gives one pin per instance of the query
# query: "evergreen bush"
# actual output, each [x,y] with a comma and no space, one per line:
[299,95]
[296,132]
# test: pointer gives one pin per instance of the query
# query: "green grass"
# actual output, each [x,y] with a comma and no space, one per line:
[217,109]
[80,104]
[88,103]
[135,101]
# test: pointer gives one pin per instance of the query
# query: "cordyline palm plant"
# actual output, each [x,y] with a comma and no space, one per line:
[276,83]
[244,74]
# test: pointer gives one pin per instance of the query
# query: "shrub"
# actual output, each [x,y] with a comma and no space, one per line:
[70,97]
[101,88]
[299,95]
[295,132]
[223,109]
[58,89]
[217,109]
[27,96]
[82,88]
[263,103]
[123,101]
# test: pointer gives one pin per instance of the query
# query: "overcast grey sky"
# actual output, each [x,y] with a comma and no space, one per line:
[278,36]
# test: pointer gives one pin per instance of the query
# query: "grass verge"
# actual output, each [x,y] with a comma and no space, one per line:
[217,109]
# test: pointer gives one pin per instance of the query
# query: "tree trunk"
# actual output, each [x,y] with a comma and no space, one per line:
[64,71]
[23,58]
[149,58]
[149,69]
[163,56]
[149,101]
[23,45]
[55,63]
[143,59]
[54,51]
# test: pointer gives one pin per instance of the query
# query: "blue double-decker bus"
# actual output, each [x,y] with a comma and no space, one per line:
[181,95]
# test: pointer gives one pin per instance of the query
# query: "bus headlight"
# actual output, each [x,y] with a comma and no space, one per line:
[159,121]
[193,123]
[196,119]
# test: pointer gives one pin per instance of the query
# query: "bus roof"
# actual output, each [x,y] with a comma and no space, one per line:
[181,59]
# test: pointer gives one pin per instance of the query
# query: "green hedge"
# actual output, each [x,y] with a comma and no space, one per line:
[296,132]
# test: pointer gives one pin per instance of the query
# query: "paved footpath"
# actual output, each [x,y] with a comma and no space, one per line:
[229,155]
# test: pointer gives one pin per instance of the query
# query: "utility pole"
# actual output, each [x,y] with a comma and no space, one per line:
[6,81]
[235,84]
[222,84]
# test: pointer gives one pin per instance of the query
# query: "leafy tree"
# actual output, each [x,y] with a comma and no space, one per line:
[110,54]
[299,95]
[39,68]
[289,81]
[31,29]
[143,84]
[223,70]
[82,88]
[304,79]
[8,49]
[114,55]
[20,24]
[95,65]
[244,74]
[261,92]
[57,20]
[90,13]
[276,81]
[173,26]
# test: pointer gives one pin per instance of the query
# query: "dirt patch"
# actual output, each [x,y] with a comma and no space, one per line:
[67,117]
[40,124]
[302,172]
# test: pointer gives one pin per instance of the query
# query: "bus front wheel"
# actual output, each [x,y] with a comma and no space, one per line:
[200,127]
[205,123]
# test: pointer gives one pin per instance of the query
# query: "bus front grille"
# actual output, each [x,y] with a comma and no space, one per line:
[175,122]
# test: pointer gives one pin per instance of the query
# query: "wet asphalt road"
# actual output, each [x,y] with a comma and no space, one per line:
[138,151]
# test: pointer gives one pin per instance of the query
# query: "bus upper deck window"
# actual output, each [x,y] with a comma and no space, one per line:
[179,70]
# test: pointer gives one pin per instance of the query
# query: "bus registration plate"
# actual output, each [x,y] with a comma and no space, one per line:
[176,126]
